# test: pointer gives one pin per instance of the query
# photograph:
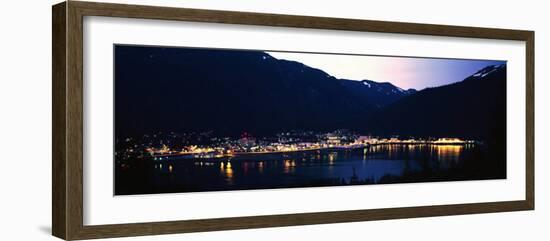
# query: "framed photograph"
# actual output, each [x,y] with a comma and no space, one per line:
[171,120]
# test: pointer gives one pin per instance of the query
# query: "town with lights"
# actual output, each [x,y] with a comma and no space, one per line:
[204,145]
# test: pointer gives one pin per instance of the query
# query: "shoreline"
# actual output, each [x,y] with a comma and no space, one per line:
[293,152]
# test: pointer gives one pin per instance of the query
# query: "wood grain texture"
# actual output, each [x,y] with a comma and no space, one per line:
[67,180]
[263,19]
[74,121]
[59,191]
[121,230]
[530,120]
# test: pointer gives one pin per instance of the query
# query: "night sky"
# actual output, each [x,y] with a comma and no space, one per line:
[404,72]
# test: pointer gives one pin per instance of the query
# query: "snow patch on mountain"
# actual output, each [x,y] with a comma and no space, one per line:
[487,70]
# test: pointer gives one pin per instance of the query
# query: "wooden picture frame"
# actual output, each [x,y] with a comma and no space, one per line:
[67,159]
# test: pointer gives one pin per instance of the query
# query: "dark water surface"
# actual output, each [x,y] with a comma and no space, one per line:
[371,165]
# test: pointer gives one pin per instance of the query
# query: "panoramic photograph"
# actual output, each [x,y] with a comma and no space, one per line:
[206,119]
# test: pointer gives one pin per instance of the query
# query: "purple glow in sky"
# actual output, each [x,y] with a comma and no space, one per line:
[404,72]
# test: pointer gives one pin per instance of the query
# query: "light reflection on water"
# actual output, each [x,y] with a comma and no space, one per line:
[448,152]
[372,164]
[228,171]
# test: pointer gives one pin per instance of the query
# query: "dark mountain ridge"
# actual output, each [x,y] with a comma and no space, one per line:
[181,89]
[379,94]
[472,108]
[231,92]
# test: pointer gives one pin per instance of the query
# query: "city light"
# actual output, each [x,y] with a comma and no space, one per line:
[288,142]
